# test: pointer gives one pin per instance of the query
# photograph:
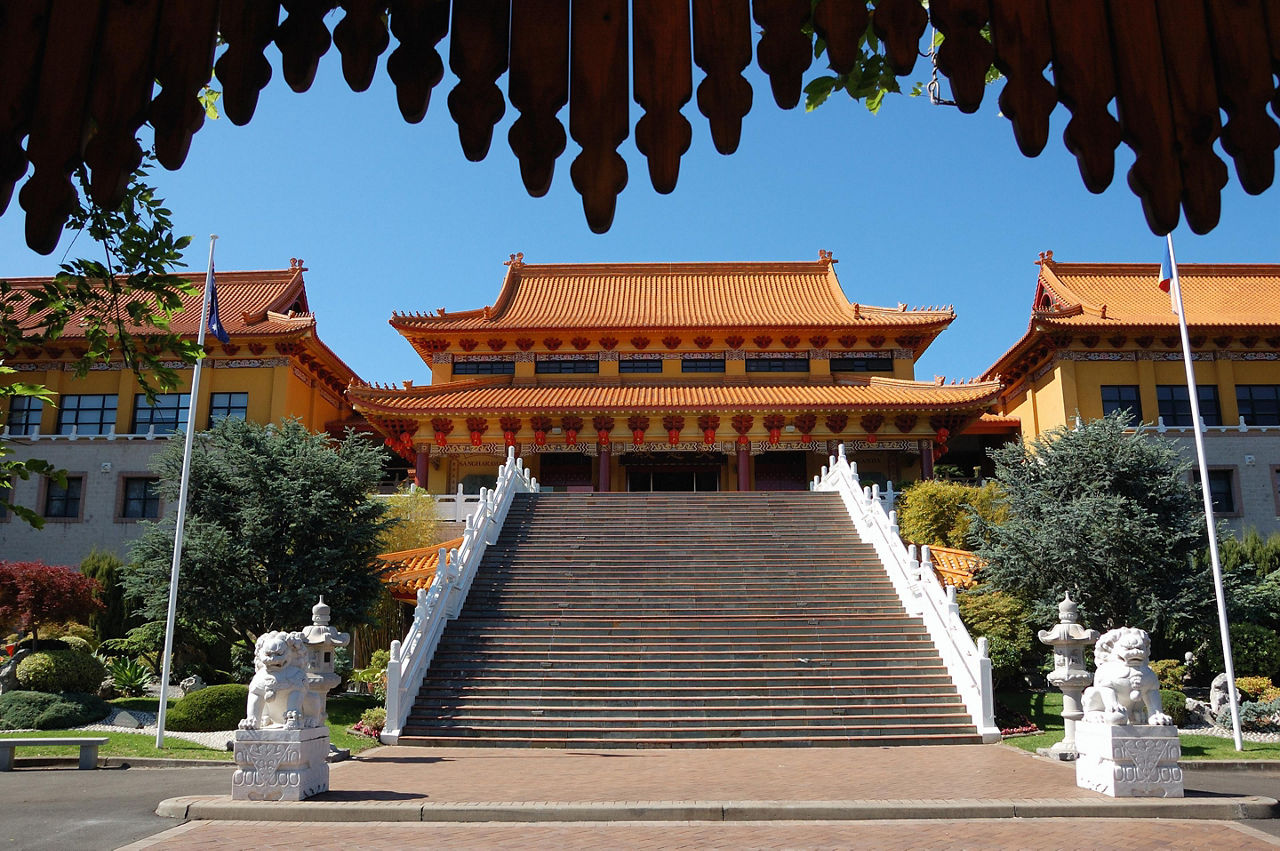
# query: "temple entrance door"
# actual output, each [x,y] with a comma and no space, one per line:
[782,471]
[565,471]
[673,471]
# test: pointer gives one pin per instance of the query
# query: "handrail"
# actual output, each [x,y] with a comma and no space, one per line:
[443,601]
[917,586]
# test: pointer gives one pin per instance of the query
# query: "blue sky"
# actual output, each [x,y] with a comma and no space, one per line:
[920,204]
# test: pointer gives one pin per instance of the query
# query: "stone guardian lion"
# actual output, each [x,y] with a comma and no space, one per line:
[1125,690]
[279,683]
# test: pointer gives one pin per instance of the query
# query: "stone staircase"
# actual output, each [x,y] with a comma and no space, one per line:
[684,620]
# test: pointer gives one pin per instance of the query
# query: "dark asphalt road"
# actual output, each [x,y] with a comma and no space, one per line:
[65,808]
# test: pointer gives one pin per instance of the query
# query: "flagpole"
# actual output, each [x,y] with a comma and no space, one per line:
[1176,293]
[188,439]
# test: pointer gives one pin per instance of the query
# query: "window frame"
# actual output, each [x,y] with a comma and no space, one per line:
[1249,389]
[103,425]
[861,364]
[181,413]
[227,410]
[122,497]
[21,410]
[485,367]
[47,485]
[699,366]
[626,366]
[1121,405]
[1237,505]
[1211,417]
[777,365]
[589,367]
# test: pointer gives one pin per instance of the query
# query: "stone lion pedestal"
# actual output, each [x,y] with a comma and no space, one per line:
[280,765]
[1129,760]
[282,746]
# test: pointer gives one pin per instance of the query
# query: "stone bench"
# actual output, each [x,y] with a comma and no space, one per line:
[88,749]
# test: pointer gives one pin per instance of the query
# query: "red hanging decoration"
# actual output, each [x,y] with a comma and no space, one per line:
[441,438]
[871,438]
[476,438]
[602,437]
[708,436]
[637,436]
[775,434]
[673,436]
[571,437]
[540,437]
[509,437]
[743,440]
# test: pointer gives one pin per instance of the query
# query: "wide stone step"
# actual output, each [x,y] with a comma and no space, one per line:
[731,703]
[533,732]
[867,652]
[750,725]
[781,693]
[728,629]
[676,681]
[491,741]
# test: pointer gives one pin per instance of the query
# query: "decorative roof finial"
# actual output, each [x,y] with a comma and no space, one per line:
[516,261]
[825,258]
[1045,257]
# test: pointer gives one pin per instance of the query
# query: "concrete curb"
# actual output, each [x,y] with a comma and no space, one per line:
[120,762]
[222,808]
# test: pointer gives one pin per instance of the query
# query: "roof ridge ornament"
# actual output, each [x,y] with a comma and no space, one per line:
[1046,258]
[516,261]
[825,257]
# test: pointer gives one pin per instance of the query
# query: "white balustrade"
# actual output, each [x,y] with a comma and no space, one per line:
[443,601]
[917,586]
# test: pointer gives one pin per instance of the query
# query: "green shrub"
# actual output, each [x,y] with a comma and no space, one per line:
[1003,620]
[1174,703]
[210,709]
[77,644]
[376,674]
[38,710]
[1256,650]
[70,629]
[937,513]
[375,717]
[105,568]
[130,676]
[1170,672]
[1255,717]
[60,670]
[1253,688]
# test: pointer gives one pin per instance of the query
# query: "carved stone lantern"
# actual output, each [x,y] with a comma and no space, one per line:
[1068,640]
[322,640]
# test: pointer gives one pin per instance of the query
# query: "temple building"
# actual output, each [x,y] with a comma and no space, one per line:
[1103,337]
[102,431]
[671,376]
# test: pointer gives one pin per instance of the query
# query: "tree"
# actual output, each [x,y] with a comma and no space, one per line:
[123,304]
[33,593]
[938,513]
[412,516]
[277,516]
[104,568]
[1102,511]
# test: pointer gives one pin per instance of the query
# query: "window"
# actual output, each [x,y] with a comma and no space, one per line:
[168,414]
[87,414]
[1259,403]
[702,365]
[1222,491]
[484,367]
[224,406]
[862,364]
[141,498]
[24,415]
[633,365]
[562,367]
[777,364]
[1121,397]
[1175,404]
[64,502]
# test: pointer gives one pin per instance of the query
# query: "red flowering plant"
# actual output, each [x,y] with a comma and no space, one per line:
[33,593]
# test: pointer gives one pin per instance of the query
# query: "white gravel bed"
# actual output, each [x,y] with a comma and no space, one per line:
[1226,733]
[219,741]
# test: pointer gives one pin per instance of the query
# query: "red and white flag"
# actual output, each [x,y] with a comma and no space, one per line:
[1166,269]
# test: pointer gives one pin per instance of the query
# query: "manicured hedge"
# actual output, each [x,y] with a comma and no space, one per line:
[39,710]
[209,710]
[60,670]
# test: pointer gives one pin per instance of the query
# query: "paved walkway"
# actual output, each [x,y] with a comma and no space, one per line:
[1127,834]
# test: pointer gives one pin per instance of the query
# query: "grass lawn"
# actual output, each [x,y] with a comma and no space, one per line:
[1045,710]
[343,712]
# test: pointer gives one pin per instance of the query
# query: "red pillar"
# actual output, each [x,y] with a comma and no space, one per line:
[926,459]
[602,486]
[744,467]
[420,468]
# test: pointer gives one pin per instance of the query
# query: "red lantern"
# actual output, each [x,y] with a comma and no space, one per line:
[806,438]
[571,437]
[540,437]
[476,438]
[637,436]
[709,436]
[509,437]
[602,438]
[871,438]
[441,438]
[943,434]
[673,436]
[743,440]
[775,434]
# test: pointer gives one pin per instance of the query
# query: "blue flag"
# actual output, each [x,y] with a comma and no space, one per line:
[215,321]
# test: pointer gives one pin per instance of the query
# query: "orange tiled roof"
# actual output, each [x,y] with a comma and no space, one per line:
[955,567]
[670,295]
[1112,297]
[497,395]
[994,424]
[1213,294]
[413,569]
[257,304]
